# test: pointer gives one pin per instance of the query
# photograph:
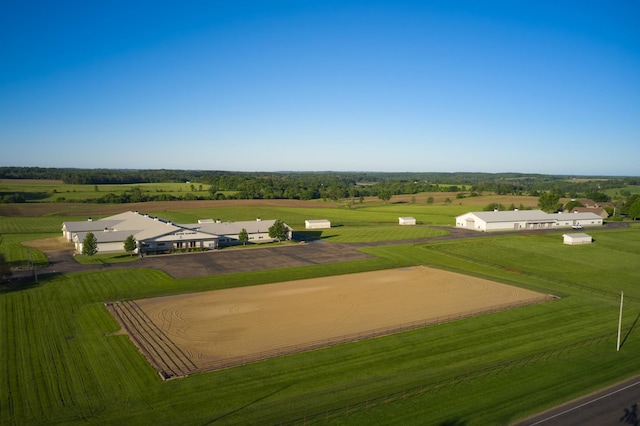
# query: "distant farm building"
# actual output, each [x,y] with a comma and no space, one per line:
[406,220]
[317,224]
[521,220]
[597,210]
[576,239]
[155,235]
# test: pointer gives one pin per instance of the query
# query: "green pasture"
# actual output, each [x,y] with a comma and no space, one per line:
[633,189]
[375,214]
[55,192]
[19,255]
[64,363]
[365,234]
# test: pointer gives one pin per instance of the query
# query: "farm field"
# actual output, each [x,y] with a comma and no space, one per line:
[68,363]
[56,191]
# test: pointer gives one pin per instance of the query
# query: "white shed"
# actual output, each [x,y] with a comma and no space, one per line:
[407,220]
[575,239]
[317,224]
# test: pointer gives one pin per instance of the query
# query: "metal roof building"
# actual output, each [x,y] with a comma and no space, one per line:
[519,220]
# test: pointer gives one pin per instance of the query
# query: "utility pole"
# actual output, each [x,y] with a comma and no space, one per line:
[620,319]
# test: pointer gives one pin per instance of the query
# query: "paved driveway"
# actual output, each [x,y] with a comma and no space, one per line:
[214,262]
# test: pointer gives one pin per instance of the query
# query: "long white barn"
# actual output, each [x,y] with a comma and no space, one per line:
[518,220]
[155,235]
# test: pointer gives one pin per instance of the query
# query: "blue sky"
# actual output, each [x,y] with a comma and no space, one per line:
[417,86]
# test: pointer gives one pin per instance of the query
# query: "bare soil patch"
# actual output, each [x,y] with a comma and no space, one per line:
[217,329]
[49,244]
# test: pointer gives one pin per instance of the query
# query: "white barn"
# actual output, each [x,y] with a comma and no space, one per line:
[519,220]
[155,235]
[317,224]
[406,221]
[576,239]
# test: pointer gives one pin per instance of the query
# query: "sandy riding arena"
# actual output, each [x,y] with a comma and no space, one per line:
[185,334]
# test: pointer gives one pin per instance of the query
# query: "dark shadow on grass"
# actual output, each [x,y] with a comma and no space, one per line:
[20,284]
[635,322]
[246,405]
[310,236]
[454,422]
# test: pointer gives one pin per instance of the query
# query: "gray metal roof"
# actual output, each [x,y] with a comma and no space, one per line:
[144,227]
[577,235]
[89,225]
[576,216]
[104,237]
[513,215]
[233,228]
[531,216]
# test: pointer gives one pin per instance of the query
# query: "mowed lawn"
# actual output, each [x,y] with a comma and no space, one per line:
[64,362]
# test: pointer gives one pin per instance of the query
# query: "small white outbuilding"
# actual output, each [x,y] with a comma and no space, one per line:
[317,224]
[406,220]
[576,239]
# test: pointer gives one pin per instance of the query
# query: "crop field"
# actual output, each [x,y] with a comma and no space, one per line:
[66,361]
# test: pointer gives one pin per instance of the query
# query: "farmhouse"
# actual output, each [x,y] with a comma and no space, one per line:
[406,221]
[576,239]
[155,235]
[317,224]
[525,220]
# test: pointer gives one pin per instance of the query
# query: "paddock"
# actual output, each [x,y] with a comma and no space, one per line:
[221,328]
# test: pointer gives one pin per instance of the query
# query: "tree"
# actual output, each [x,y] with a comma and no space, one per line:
[5,269]
[634,210]
[571,204]
[243,236]
[279,231]
[89,245]
[384,195]
[130,245]
[548,202]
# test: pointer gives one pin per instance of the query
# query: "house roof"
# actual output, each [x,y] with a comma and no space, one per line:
[597,210]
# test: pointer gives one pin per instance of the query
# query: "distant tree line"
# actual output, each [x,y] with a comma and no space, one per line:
[320,185]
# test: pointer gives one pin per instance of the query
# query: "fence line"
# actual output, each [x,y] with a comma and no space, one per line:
[354,337]
[161,352]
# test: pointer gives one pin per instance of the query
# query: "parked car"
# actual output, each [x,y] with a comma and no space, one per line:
[578,226]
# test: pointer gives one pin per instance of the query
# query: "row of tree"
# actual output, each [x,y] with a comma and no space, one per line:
[321,185]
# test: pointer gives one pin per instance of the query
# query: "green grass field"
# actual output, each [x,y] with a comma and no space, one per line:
[58,191]
[64,363]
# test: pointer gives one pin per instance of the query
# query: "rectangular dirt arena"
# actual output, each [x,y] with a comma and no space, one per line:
[249,323]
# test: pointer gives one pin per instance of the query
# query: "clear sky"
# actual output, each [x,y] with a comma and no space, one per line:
[418,86]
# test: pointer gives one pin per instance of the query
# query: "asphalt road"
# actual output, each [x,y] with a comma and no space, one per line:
[616,405]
